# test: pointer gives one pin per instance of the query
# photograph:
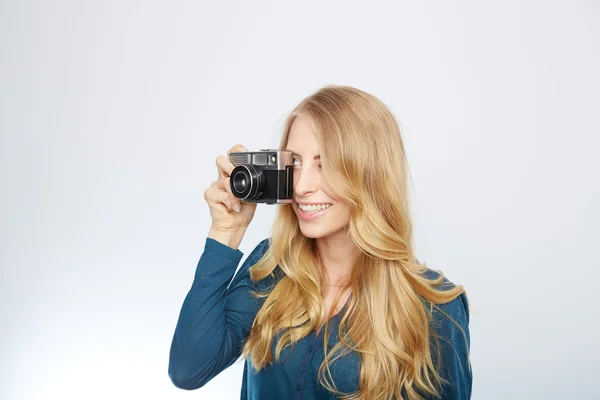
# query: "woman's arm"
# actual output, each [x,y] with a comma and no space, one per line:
[214,321]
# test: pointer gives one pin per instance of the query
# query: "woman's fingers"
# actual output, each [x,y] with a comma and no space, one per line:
[224,166]
[233,201]
[215,195]
[220,191]
[237,148]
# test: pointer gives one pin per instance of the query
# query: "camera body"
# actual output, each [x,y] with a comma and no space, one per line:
[264,176]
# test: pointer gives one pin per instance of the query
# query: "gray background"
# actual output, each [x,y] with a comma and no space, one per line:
[113,113]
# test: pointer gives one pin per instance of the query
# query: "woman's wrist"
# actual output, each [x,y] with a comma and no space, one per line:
[228,238]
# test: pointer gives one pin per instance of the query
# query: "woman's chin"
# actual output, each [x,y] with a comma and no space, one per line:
[312,231]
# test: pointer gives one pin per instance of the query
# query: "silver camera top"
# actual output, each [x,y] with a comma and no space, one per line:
[267,158]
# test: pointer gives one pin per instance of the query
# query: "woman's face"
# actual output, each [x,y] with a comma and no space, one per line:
[310,187]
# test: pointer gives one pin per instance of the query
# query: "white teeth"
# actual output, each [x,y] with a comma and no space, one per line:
[314,207]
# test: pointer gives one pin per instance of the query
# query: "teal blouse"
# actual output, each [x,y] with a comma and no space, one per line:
[215,320]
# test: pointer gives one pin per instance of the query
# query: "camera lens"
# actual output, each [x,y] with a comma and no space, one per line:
[246,182]
[239,181]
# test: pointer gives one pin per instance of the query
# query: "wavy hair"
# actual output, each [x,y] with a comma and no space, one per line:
[387,321]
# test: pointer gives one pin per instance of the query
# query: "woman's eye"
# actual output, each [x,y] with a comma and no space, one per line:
[295,159]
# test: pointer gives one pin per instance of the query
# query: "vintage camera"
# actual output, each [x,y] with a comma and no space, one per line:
[264,176]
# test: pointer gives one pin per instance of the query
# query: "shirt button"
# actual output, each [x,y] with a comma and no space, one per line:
[310,348]
[303,369]
[298,387]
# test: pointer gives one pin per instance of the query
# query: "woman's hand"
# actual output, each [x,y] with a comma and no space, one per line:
[229,214]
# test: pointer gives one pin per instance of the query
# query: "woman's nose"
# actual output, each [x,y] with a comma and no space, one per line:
[306,180]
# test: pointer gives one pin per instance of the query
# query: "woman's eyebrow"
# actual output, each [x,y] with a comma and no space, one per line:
[317,157]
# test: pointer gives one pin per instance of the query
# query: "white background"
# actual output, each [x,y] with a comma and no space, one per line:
[113,113]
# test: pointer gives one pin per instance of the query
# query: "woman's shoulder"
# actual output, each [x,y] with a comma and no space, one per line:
[259,250]
[432,274]
[457,308]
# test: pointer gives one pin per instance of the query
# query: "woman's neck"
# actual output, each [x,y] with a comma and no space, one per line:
[337,254]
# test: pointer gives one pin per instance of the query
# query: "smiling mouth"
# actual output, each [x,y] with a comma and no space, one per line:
[312,215]
[309,210]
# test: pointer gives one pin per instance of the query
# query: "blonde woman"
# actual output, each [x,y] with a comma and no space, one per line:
[334,304]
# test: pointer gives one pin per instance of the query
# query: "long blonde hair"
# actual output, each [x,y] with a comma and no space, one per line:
[387,317]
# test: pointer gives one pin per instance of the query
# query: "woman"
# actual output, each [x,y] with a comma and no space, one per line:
[334,304]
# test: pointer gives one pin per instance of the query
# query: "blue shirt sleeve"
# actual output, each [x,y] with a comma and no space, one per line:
[454,346]
[215,320]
